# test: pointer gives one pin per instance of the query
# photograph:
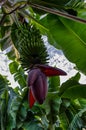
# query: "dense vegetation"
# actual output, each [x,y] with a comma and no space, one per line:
[63,22]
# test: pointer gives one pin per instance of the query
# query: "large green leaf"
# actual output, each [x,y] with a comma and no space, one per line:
[60,4]
[68,36]
[69,83]
[77,91]
[4,37]
[3,83]
[53,101]
[4,95]
[17,109]
[77,122]
[82,102]
[32,125]
[13,106]
[72,89]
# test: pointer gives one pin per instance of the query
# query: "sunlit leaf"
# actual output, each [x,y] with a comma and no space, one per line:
[68,36]
[64,121]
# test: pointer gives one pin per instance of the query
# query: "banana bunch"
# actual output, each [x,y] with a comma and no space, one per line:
[27,40]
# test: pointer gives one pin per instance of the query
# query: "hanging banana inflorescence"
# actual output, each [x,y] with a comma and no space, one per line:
[33,57]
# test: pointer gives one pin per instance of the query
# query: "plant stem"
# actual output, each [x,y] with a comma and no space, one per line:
[51,127]
[57,12]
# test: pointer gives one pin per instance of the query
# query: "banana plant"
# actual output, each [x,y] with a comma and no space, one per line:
[40,101]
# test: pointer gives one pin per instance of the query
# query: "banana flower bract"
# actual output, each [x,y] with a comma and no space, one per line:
[37,81]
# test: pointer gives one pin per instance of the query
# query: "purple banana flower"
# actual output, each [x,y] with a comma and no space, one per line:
[37,81]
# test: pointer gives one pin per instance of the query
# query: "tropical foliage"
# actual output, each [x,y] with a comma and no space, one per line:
[64,24]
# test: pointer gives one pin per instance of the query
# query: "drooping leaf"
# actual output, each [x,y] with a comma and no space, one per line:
[6,42]
[12,110]
[13,67]
[3,83]
[18,72]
